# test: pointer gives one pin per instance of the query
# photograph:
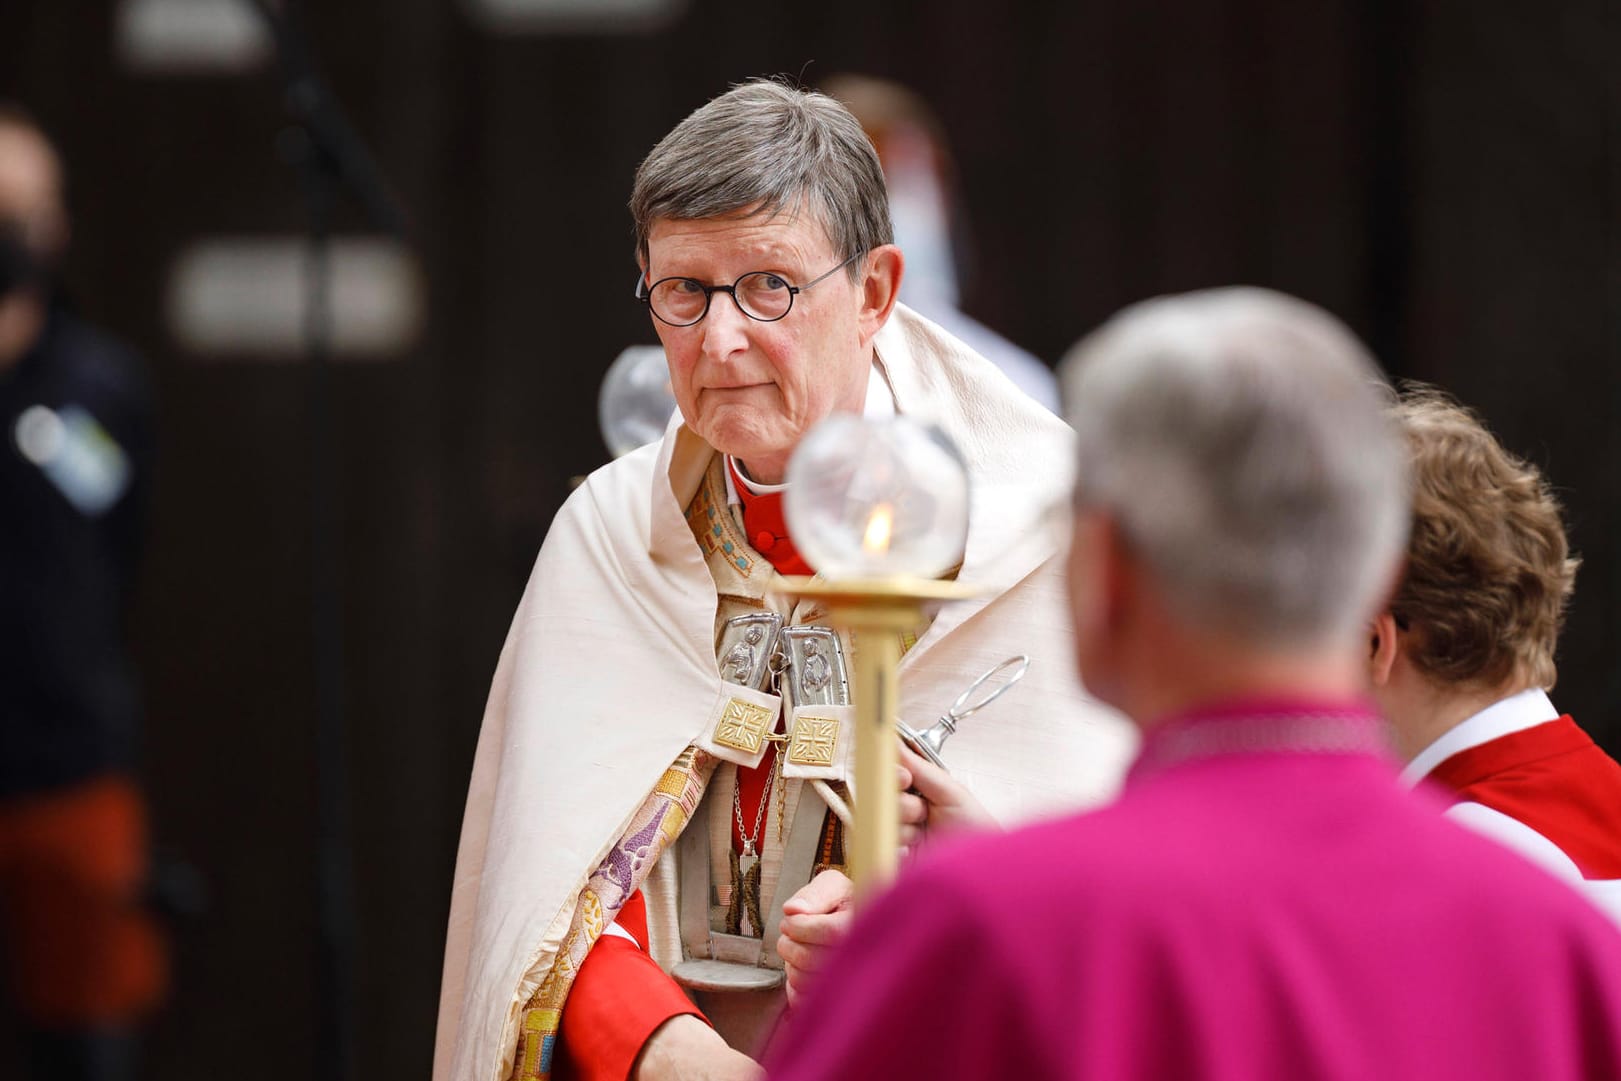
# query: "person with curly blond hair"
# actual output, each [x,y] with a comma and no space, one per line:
[1463,659]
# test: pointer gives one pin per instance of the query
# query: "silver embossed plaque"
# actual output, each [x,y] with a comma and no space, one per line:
[746,646]
[815,673]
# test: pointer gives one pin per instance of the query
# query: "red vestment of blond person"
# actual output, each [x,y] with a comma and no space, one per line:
[1531,779]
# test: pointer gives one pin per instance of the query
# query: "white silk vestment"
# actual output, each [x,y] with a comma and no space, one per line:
[609,672]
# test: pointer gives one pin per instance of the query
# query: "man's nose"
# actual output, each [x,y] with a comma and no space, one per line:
[726,328]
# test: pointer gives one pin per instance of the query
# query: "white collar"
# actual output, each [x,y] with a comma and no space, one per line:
[1516,713]
[879,405]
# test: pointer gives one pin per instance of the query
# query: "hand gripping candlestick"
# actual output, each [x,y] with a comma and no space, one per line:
[880,509]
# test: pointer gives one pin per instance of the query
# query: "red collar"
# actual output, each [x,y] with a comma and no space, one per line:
[766,527]
[1558,736]
[1553,778]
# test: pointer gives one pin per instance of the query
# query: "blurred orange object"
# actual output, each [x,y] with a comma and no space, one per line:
[80,944]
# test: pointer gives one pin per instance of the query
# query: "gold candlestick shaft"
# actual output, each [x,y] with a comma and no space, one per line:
[876,834]
[876,612]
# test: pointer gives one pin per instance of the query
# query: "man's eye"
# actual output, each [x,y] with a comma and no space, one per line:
[769,282]
[686,287]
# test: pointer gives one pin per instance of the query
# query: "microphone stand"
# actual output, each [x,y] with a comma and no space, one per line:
[330,159]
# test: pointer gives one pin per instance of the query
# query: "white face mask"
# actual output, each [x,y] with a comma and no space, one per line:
[918,207]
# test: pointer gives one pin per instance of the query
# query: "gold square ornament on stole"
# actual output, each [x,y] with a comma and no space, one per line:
[739,724]
[821,742]
[742,726]
[813,741]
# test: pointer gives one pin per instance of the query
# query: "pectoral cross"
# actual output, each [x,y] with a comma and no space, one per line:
[743,911]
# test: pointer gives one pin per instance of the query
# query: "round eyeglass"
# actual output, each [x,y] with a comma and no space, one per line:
[760,294]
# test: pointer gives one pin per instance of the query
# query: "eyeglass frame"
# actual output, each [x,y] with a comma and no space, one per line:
[644,292]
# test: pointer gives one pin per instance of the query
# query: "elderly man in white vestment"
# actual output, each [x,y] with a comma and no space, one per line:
[665,755]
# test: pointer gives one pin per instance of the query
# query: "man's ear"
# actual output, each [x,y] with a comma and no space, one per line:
[1101,571]
[1383,646]
[1120,572]
[880,287]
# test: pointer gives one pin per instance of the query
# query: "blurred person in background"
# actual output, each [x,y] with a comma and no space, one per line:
[1265,901]
[916,157]
[83,955]
[644,796]
[1462,660]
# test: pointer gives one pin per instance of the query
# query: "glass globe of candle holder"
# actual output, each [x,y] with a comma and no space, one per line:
[877,498]
[635,402]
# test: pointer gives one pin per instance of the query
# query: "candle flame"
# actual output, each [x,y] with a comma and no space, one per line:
[880,525]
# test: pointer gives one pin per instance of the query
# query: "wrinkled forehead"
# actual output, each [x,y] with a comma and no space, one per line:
[756,230]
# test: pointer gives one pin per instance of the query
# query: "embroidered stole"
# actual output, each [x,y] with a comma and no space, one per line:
[657,822]
[740,574]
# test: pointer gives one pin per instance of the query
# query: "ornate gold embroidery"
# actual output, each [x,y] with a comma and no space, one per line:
[631,855]
[710,518]
[535,1041]
[814,741]
[742,725]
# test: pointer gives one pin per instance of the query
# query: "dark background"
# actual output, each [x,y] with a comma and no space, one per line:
[1446,176]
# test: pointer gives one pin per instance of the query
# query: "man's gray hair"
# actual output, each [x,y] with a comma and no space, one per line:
[768,147]
[1240,439]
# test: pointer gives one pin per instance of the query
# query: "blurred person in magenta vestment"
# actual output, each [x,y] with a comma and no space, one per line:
[1266,901]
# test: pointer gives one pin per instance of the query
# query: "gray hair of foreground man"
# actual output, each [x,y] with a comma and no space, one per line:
[1240,440]
[766,147]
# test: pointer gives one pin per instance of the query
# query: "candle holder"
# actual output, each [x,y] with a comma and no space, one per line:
[880,509]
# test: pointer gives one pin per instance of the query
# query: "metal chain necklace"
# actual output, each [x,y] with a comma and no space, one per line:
[750,844]
[743,916]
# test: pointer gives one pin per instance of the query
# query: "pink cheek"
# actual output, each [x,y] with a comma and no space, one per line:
[682,360]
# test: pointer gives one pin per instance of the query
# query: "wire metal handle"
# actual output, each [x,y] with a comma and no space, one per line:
[960,708]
